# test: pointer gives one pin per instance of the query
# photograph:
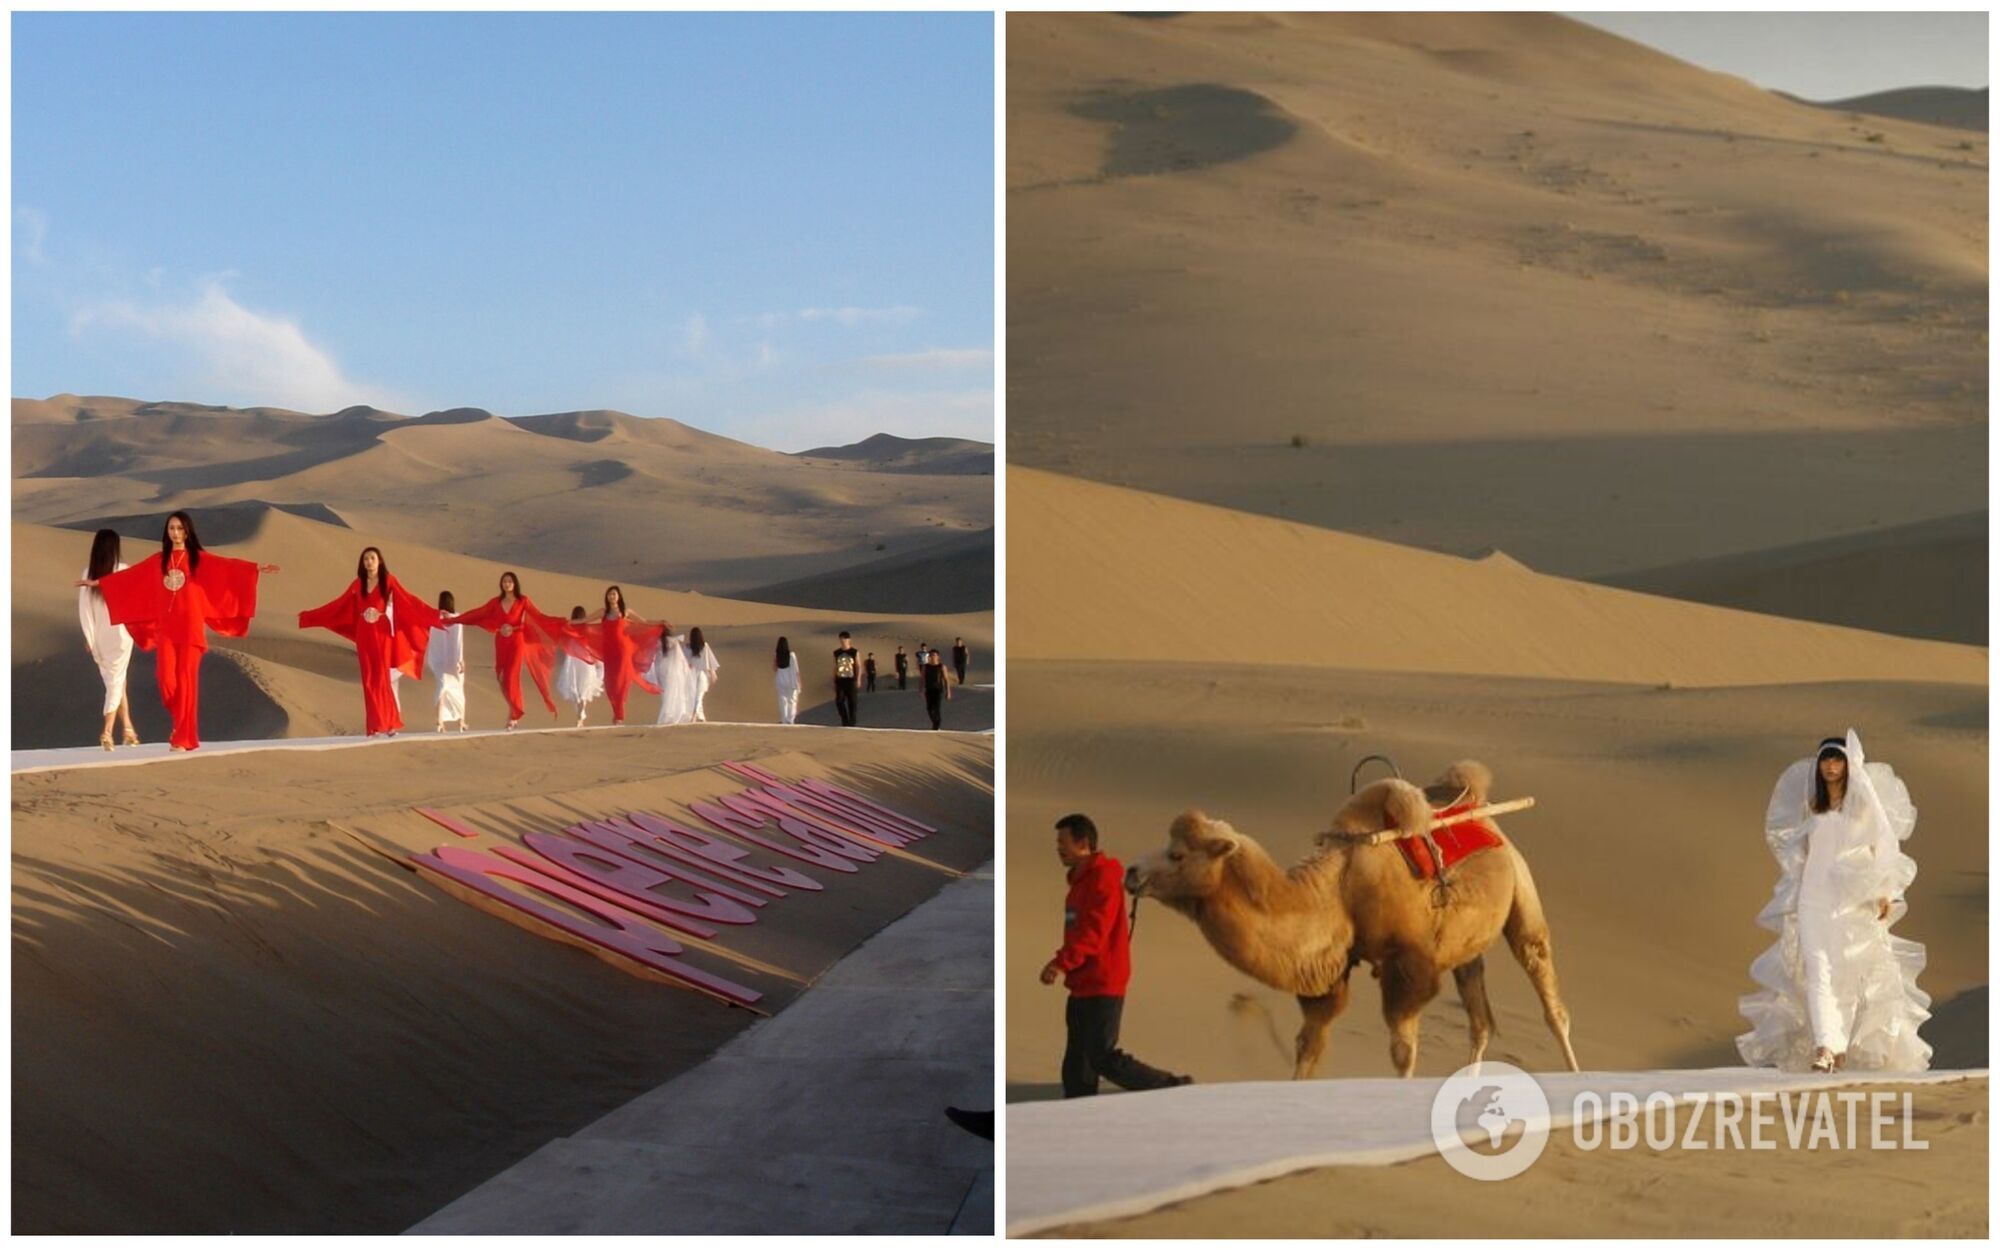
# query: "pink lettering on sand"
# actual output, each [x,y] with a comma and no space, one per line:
[622,931]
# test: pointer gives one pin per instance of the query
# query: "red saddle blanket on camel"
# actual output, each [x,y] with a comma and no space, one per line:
[1455,842]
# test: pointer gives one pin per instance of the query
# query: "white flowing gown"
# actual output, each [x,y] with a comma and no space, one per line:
[675,677]
[578,682]
[788,691]
[704,669]
[442,657]
[1837,977]
[110,645]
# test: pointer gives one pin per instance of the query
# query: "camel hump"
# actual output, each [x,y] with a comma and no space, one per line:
[1390,803]
[1468,781]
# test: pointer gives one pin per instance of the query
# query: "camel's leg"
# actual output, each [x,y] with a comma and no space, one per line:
[1471,979]
[1531,947]
[1528,934]
[1319,1014]
[1409,980]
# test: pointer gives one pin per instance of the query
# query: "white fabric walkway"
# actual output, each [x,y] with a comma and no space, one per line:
[1120,1154]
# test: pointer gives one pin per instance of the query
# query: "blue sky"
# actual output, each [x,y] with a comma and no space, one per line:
[777,227]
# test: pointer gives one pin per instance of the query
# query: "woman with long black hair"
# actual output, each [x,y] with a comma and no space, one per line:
[703,664]
[523,636]
[170,605]
[390,629]
[109,645]
[786,666]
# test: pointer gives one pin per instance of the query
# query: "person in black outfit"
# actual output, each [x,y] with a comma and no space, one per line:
[960,657]
[869,668]
[846,680]
[937,684]
[902,670]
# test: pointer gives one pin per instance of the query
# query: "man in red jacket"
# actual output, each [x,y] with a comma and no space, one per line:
[1094,963]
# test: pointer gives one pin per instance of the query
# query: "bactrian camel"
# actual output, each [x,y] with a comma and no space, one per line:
[1303,929]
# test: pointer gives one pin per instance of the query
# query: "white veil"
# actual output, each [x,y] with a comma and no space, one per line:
[1872,967]
[675,677]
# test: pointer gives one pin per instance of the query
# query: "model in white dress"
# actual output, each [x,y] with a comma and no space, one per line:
[704,667]
[577,682]
[1837,980]
[111,647]
[788,686]
[674,675]
[445,658]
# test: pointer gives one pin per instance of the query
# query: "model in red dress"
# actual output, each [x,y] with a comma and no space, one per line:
[523,635]
[168,605]
[390,629]
[625,644]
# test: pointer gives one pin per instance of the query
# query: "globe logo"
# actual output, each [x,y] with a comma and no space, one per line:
[1490,1121]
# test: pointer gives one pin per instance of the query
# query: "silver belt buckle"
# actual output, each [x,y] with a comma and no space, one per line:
[371,615]
[175,579]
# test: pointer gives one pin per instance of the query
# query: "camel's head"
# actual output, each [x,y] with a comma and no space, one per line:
[1191,866]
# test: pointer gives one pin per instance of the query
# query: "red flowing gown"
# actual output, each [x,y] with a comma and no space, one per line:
[390,630]
[626,650]
[522,635]
[168,604]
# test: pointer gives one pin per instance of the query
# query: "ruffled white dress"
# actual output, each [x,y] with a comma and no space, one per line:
[1837,977]
[788,691]
[442,657]
[110,645]
[675,677]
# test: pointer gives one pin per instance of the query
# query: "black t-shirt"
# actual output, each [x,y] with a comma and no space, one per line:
[902,662]
[844,662]
[933,676]
[958,655]
[870,666]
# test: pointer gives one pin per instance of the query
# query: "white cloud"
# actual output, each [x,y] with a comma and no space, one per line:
[239,354]
[893,315]
[937,358]
[31,233]
[907,414]
[848,317]
[695,337]
[766,356]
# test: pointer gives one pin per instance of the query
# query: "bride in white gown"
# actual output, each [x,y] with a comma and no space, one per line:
[1839,990]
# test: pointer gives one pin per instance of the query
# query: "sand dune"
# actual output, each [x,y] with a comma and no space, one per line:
[954,575]
[911,455]
[1121,575]
[1167,655]
[1958,107]
[1461,281]
[1908,579]
[236,1010]
[284,682]
[603,494]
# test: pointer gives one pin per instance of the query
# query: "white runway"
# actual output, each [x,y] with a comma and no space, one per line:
[156,752]
[1120,1154]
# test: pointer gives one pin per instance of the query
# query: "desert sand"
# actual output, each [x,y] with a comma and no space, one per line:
[237,1009]
[1480,281]
[1245,665]
[237,1006]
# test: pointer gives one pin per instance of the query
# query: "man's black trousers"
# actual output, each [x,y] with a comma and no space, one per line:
[1093,1050]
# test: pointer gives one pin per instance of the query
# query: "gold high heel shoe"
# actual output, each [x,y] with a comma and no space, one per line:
[105,740]
[131,738]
